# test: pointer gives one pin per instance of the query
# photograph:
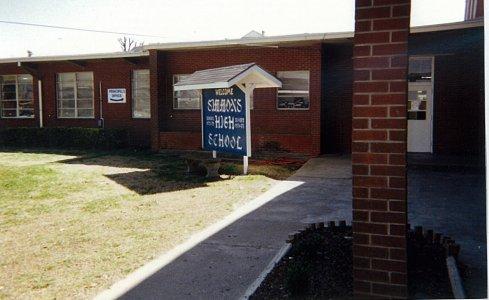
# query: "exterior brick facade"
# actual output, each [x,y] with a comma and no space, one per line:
[294,130]
[109,73]
[379,147]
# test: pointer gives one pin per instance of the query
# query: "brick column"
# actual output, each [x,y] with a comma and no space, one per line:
[379,147]
[154,76]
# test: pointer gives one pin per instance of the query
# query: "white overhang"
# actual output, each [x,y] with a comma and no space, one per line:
[226,77]
[75,57]
[266,41]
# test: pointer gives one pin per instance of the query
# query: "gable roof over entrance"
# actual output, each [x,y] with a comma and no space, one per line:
[226,77]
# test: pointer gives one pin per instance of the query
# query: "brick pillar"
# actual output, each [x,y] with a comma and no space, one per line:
[154,75]
[379,147]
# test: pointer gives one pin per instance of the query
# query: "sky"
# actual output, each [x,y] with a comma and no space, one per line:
[181,20]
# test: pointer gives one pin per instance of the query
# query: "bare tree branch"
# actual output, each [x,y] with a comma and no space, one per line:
[128,44]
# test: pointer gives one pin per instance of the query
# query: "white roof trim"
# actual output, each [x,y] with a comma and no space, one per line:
[75,57]
[267,40]
[267,81]
[252,41]
[303,37]
[448,26]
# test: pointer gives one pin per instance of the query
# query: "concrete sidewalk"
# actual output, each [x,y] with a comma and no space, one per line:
[453,202]
[225,264]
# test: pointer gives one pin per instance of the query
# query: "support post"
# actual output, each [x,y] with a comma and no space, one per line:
[248,89]
[39,93]
[154,76]
[379,141]
[245,165]
[214,154]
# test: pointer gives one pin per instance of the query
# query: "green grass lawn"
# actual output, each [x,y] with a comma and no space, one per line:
[71,224]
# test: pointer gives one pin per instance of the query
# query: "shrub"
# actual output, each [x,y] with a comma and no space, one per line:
[62,137]
[271,146]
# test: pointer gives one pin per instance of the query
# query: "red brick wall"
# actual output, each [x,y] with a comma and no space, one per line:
[297,131]
[111,73]
[379,147]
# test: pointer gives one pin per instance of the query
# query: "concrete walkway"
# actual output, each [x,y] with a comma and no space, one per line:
[226,263]
[452,201]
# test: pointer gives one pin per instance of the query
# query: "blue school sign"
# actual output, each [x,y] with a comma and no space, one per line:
[224,120]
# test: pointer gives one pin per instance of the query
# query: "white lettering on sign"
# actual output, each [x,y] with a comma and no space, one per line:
[116,95]
[225,141]
[225,105]
[224,92]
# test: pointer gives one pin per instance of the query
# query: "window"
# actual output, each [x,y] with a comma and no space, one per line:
[141,107]
[185,99]
[420,69]
[75,95]
[16,96]
[294,93]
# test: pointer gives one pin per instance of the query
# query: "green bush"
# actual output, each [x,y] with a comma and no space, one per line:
[63,137]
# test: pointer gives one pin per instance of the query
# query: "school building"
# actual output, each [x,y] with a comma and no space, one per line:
[378,92]
[311,113]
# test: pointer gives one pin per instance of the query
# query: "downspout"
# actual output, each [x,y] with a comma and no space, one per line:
[101,120]
[39,91]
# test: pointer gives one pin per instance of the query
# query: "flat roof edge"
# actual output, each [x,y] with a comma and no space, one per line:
[304,37]
[252,42]
[448,26]
[75,57]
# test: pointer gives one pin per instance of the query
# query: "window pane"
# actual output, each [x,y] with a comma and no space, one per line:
[185,99]
[66,103]
[25,79]
[9,104]
[294,93]
[66,77]
[84,103]
[25,91]
[26,104]
[66,113]
[141,107]
[295,81]
[9,113]
[28,112]
[294,102]
[420,69]
[8,92]
[75,95]
[84,92]
[85,113]
[7,79]
[84,76]
[66,92]
[16,96]
[188,103]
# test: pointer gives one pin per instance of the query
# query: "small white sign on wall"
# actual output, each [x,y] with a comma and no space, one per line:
[116,95]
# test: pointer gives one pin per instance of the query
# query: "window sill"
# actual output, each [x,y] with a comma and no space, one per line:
[300,109]
[76,118]
[17,118]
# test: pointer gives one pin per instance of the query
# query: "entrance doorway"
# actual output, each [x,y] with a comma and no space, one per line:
[420,105]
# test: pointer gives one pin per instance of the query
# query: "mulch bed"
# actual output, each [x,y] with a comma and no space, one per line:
[427,269]
[319,266]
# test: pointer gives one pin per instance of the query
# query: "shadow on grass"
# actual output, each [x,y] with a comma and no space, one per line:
[149,173]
